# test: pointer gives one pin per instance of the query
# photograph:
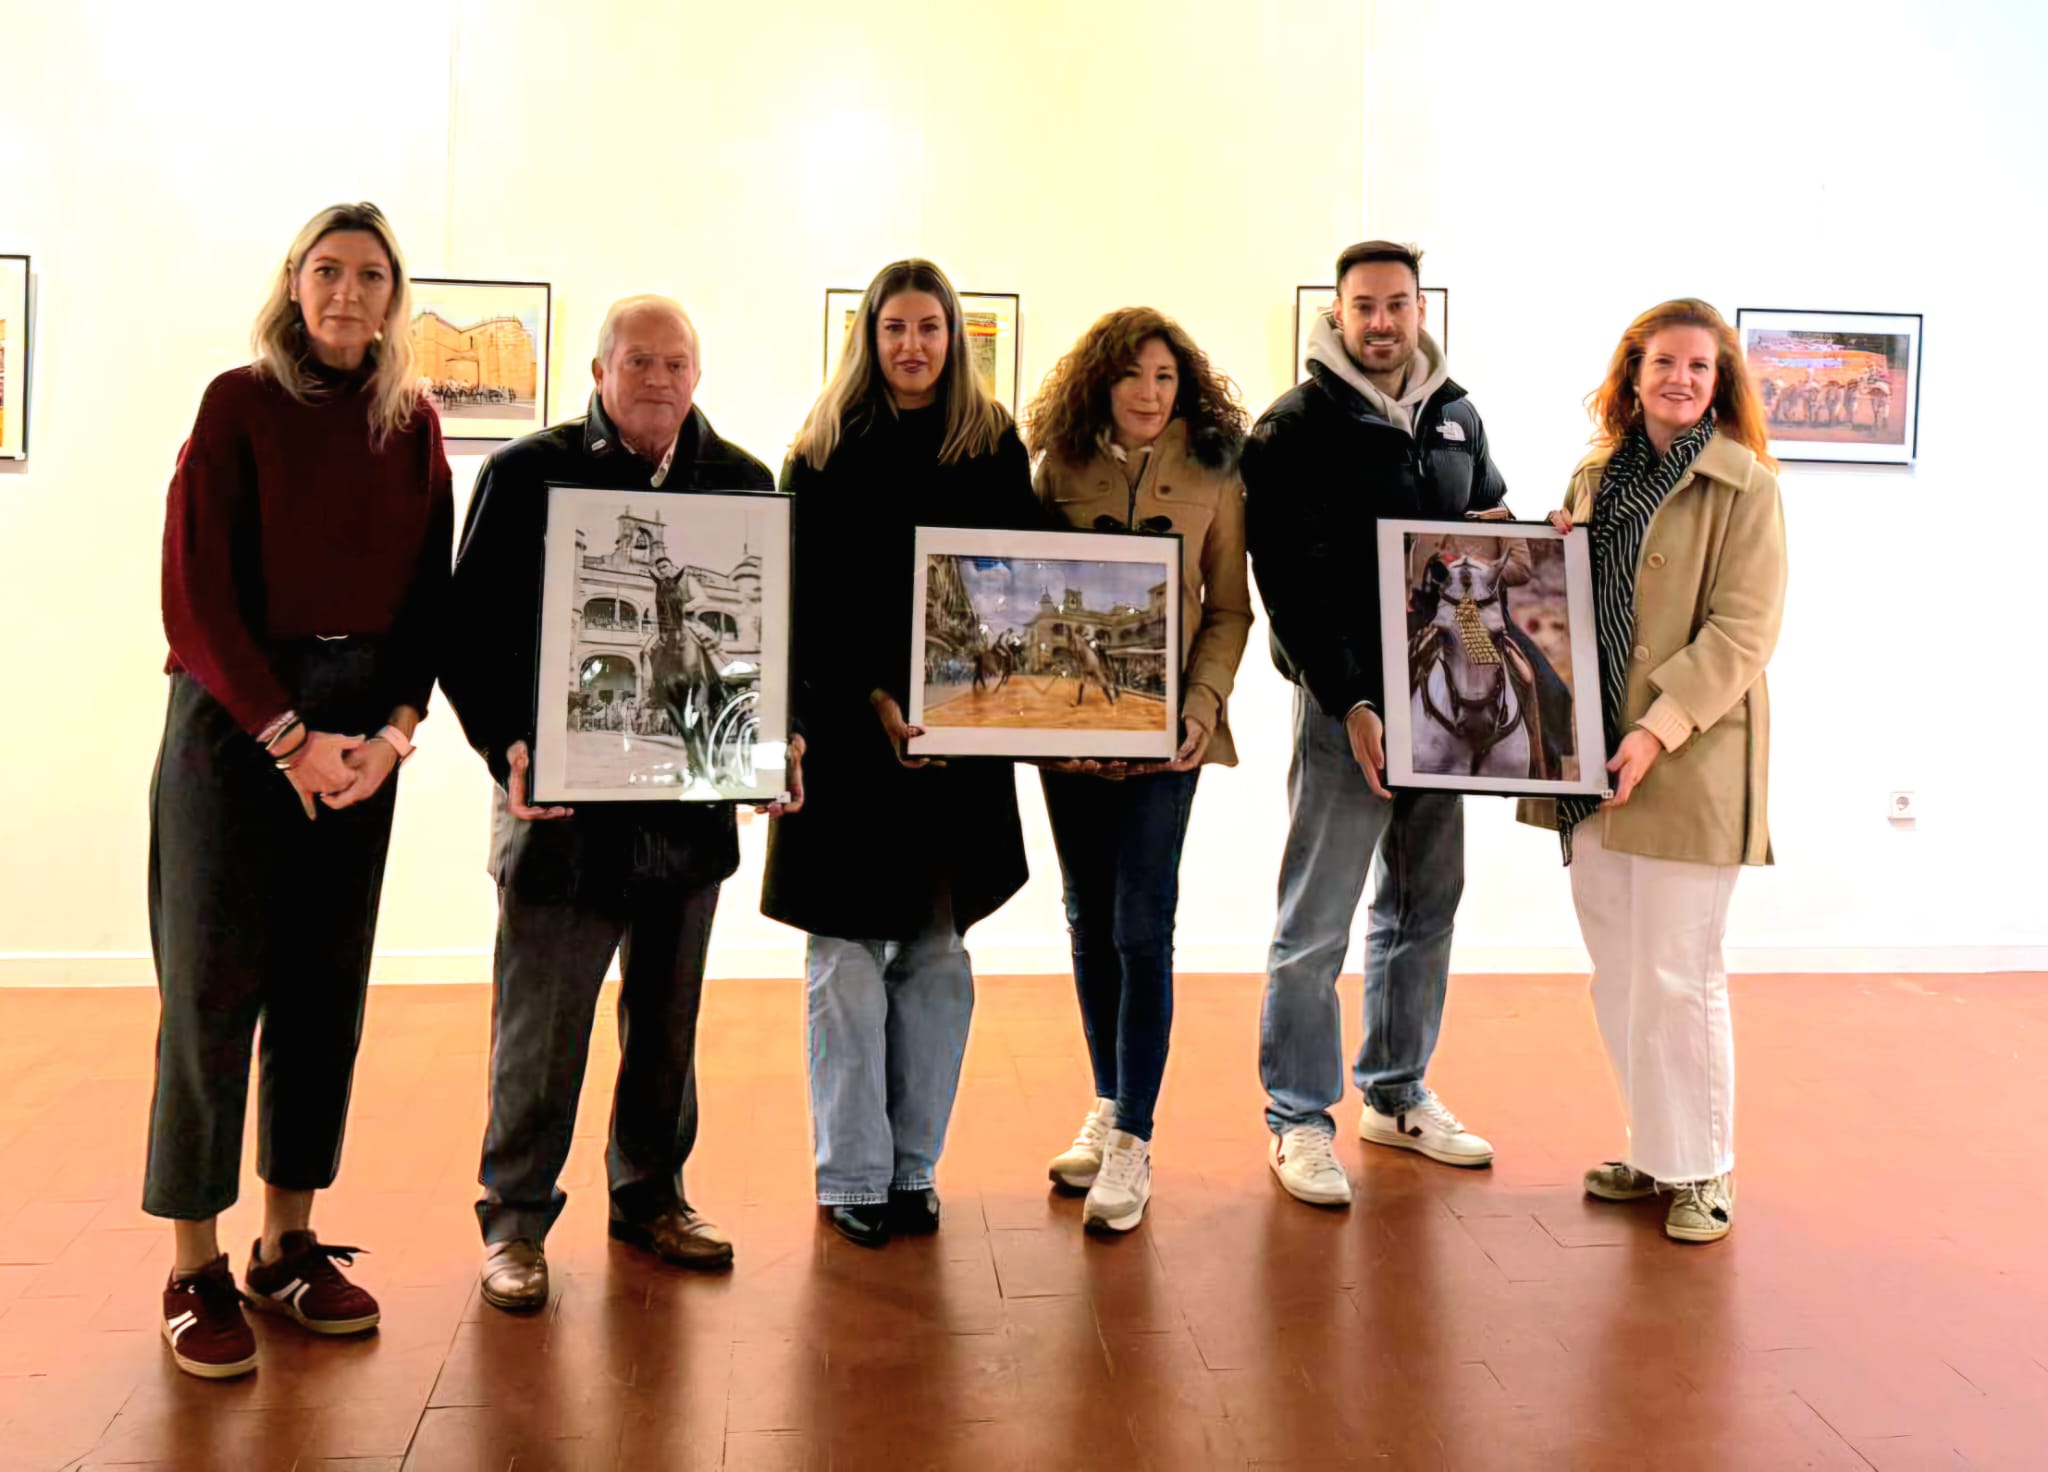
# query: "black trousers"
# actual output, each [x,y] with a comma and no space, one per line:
[551,960]
[257,916]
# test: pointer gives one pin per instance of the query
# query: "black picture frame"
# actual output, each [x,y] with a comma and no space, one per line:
[494,300]
[1786,349]
[17,310]
[609,723]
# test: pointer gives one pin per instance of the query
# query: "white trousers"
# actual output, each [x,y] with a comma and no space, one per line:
[1660,989]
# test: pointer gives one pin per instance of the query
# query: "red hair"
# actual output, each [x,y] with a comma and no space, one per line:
[1738,411]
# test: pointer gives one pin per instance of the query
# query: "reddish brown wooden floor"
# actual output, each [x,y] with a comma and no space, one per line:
[1883,1303]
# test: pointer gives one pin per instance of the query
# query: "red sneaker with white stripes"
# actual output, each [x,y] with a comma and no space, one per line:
[304,1284]
[203,1323]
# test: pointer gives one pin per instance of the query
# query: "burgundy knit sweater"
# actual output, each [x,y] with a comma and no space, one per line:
[283,523]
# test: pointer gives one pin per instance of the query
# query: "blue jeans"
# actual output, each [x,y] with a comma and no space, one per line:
[1335,829]
[888,1027]
[1119,845]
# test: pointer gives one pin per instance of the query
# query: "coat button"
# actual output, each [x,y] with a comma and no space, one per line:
[1642,651]
[1656,559]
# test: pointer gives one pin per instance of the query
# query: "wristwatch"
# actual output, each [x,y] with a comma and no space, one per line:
[396,740]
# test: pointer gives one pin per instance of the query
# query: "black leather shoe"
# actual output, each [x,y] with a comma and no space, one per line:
[914,1213]
[866,1226]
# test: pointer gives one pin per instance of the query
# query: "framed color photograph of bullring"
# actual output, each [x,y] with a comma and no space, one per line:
[1311,302]
[480,351]
[1837,386]
[14,340]
[1491,662]
[990,321]
[664,661]
[1046,644]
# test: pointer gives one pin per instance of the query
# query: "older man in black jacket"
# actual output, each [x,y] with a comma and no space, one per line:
[638,879]
[1377,430]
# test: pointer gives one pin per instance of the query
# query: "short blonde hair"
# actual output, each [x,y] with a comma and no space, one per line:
[279,336]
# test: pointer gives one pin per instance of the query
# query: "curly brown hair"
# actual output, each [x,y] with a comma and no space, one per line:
[1072,407]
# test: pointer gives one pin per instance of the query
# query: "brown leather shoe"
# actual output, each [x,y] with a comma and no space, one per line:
[515,1276]
[678,1236]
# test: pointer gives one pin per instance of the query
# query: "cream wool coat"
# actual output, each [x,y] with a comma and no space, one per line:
[1206,506]
[1710,592]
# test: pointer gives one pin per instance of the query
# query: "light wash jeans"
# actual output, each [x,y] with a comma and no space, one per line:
[1336,828]
[888,1028]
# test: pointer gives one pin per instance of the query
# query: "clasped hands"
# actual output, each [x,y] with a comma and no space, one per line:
[340,771]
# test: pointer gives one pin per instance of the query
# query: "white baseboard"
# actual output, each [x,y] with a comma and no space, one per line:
[1017,956]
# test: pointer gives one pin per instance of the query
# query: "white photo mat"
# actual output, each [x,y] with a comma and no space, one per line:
[720,532]
[1583,676]
[1050,711]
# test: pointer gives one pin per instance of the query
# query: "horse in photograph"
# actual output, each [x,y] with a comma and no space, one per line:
[1089,665]
[1474,705]
[996,660]
[684,663]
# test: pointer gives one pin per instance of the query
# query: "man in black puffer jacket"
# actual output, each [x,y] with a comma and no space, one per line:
[1377,430]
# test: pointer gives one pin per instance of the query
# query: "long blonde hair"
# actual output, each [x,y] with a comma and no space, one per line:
[974,420]
[279,336]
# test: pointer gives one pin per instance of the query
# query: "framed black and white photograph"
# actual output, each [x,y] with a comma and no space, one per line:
[1492,665]
[990,320]
[664,647]
[14,344]
[480,351]
[1311,302]
[1046,644]
[1839,387]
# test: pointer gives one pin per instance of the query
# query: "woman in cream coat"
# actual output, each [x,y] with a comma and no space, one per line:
[1688,543]
[1136,432]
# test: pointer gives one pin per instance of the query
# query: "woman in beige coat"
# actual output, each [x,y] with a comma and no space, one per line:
[1136,432]
[1688,543]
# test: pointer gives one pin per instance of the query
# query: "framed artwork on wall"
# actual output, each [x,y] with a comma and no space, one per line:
[991,322]
[1059,644]
[1491,659]
[14,364]
[1836,386]
[480,349]
[664,647]
[1313,301]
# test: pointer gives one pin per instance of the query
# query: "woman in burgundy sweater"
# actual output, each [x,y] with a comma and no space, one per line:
[306,548]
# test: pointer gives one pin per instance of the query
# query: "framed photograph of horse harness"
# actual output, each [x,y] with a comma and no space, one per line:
[1046,644]
[664,647]
[1492,669]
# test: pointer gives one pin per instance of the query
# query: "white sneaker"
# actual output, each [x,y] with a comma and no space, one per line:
[1075,1167]
[1429,1128]
[1116,1202]
[1303,1160]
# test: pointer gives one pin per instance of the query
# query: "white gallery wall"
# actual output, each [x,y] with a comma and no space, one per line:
[1564,166]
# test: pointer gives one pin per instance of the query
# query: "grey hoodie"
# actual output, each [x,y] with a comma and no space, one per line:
[1427,372]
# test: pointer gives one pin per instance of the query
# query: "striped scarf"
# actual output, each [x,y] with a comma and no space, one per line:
[1633,486]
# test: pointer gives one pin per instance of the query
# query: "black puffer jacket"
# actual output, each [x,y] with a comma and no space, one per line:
[1322,466]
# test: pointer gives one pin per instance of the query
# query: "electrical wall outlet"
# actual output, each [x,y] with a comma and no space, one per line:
[1902,807]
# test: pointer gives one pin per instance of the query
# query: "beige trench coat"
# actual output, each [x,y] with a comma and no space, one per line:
[1206,507]
[1710,592]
